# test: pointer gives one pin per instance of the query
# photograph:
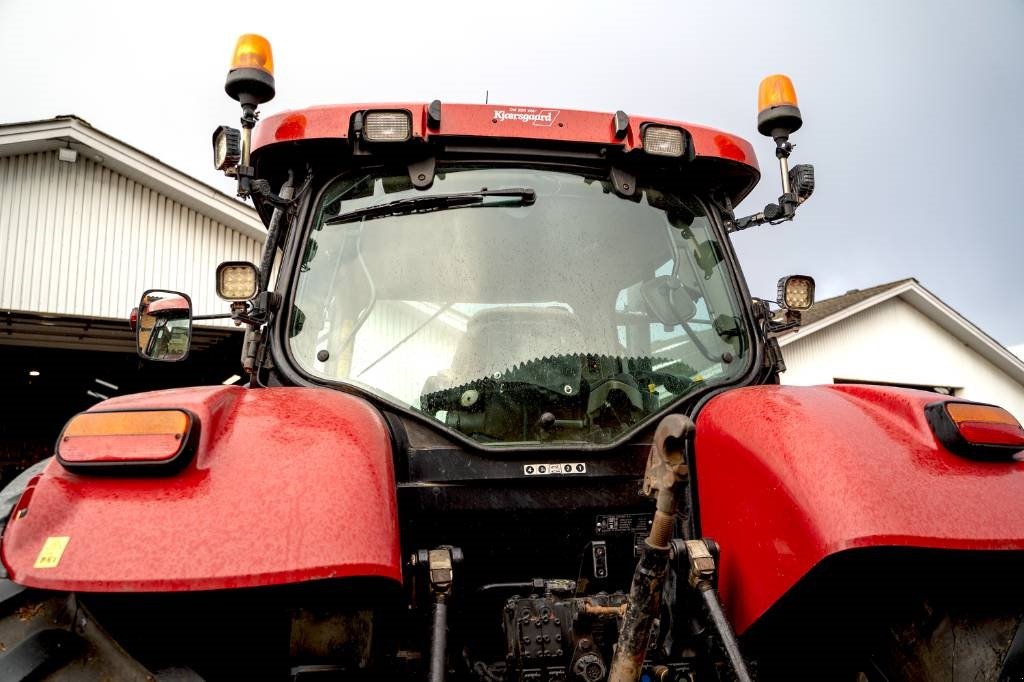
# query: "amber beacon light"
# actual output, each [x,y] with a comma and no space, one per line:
[250,81]
[251,78]
[777,112]
[778,116]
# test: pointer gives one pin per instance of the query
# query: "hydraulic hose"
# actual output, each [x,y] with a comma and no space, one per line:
[274,232]
[732,647]
[439,640]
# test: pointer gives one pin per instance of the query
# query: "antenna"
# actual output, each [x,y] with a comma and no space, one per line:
[487,96]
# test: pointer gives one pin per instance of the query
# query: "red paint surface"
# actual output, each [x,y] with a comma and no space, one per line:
[789,475]
[478,120]
[287,485]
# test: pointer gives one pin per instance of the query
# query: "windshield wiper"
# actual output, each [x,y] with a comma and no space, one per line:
[517,196]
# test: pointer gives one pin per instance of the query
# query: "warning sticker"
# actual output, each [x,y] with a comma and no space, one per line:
[558,468]
[52,551]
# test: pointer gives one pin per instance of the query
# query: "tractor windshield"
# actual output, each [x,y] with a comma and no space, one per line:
[545,309]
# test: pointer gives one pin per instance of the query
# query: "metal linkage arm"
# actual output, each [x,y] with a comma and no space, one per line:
[703,569]
[439,565]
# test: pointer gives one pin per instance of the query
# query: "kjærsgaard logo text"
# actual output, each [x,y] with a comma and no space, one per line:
[537,117]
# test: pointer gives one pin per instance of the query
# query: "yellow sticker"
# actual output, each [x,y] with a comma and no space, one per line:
[52,551]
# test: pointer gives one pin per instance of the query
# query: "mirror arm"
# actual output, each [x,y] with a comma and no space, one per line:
[218,316]
[792,321]
[255,314]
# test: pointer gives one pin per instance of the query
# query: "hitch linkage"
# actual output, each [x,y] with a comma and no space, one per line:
[439,565]
[702,558]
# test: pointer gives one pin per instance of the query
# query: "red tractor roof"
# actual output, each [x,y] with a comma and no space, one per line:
[175,304]
[502,121]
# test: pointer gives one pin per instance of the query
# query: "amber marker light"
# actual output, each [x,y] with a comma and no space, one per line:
[253,52]
[103,442]
[976,430]
[986,424]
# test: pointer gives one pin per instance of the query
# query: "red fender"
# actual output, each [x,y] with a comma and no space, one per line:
[287,485]
[790,475]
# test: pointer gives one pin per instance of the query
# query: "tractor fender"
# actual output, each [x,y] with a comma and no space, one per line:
[787,476]
[286,485]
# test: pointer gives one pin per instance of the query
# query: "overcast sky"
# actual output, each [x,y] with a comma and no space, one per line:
[913,111]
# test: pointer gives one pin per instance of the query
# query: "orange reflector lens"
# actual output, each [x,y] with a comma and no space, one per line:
[144,436]
[986,424]
[776,91]
[253,52]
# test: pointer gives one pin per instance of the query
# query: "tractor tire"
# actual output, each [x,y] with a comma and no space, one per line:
[950,643]
[50,637]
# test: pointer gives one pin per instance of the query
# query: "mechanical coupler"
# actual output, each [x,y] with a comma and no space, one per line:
[666,469]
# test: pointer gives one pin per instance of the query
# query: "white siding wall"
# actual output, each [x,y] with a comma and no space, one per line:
[79,239]
[894,342]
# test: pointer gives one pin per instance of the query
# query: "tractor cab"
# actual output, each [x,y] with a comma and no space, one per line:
[512,276]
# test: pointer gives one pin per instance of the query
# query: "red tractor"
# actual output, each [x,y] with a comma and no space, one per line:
[512,415]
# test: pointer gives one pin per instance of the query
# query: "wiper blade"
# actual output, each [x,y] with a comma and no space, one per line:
[518,196]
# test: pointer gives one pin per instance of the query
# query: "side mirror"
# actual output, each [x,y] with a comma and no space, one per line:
[164,329]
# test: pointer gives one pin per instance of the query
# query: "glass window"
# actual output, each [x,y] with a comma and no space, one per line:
[559,313]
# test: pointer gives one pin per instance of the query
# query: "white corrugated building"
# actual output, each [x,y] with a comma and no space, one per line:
[87,223]
[901,334]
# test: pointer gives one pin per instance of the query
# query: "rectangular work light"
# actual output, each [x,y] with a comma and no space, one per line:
[237,280]
[387,126]
[796,292]
[663,141]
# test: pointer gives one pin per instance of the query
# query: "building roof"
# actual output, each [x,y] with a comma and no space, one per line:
[836,304]
[832,310]
[73,132]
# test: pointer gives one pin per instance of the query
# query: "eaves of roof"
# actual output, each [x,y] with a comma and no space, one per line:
[830,311]
[76,133]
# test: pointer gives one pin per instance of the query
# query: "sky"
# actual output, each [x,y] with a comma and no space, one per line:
[913,111]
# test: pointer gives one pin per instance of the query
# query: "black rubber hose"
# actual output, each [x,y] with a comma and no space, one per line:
[507,586]
[439,641]
[732,647]
[273,233]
